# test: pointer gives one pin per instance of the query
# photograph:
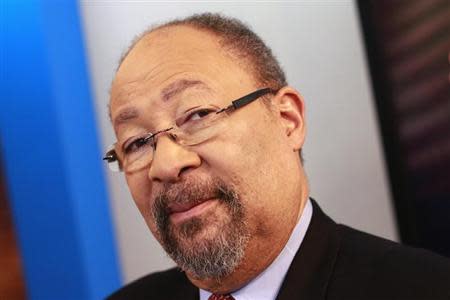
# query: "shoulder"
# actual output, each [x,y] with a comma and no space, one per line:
[381,253]
[170,284]
[385,268]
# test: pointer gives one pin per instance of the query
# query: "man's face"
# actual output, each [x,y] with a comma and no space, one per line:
[222,203]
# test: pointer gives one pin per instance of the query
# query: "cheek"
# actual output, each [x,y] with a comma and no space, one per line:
[247,148]
[241,158]
[140,190]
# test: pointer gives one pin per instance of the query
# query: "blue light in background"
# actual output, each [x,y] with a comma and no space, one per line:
[51,155]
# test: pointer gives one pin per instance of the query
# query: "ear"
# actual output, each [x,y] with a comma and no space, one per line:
[290,106]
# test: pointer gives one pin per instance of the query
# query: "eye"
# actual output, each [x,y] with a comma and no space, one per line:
[137,144]
[196,118]
[199,114]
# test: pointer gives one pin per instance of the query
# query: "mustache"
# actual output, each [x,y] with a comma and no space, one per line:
[191,192]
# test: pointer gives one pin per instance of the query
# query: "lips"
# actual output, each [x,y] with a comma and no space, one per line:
[181,212]
[177,208]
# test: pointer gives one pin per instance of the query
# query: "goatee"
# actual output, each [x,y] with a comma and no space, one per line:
[202,255]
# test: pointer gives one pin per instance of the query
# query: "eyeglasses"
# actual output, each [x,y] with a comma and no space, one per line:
[198,126]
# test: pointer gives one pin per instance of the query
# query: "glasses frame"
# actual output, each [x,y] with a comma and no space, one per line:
[111,156]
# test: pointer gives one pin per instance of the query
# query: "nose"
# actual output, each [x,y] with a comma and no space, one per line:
[171,160]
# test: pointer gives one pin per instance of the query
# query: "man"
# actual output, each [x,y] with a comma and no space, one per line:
[209,136]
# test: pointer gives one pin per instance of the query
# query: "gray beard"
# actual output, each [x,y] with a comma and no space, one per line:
[210,257]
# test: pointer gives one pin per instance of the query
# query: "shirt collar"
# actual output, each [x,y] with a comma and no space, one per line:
[267,284]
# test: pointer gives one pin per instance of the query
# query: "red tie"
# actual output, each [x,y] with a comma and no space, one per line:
[220,297]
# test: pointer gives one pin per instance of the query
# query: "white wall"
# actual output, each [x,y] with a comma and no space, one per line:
[319,45]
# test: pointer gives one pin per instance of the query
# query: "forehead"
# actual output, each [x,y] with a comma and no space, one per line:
[172,54]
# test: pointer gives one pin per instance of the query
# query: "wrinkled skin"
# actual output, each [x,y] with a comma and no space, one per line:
[256,156]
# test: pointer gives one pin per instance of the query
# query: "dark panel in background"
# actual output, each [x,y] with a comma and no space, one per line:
[12,286]
[408,45]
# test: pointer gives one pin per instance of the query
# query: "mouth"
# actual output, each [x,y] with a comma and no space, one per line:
[181,212]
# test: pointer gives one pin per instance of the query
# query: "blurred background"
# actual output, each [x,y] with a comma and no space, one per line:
[375,76]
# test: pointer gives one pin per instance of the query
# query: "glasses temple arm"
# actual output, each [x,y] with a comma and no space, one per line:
[251,97]
[246,99]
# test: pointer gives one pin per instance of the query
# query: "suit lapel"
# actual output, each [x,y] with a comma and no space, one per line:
[186,290]
[311,269]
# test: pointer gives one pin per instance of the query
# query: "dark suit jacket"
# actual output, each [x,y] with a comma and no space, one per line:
[333,262]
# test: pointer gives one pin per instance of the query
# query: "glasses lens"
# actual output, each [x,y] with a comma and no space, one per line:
[201,129]
[112,159]
[138,153]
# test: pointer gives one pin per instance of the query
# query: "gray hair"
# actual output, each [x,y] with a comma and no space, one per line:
[238,39]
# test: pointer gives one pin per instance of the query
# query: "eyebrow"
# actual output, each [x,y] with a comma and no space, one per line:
[178,87]
[167,93]
[125,115]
